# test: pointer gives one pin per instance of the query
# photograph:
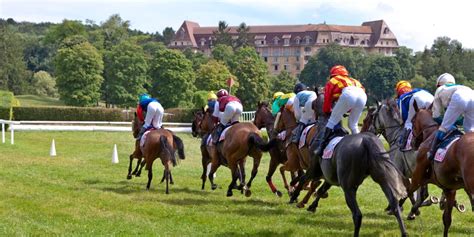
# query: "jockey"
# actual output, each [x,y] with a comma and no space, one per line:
[227,110]
[349,95]
[457,100]
[280,99]
[154,113]
[302,106]
[211,101]
[406,96]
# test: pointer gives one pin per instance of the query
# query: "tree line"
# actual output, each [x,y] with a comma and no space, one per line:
[87,63]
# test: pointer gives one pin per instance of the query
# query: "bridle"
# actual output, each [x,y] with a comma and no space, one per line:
[381,129]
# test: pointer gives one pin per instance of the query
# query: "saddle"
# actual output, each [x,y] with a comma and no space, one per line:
[443,147]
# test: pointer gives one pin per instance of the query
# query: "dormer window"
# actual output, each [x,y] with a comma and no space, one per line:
[307,39]
[386,30]
[276,40]
[203,41]
[298,40]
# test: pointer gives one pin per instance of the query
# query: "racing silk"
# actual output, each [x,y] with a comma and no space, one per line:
[142,107]
[442,98]
[140,116]
[281,101]
[211,104]
[404,103]
[224,100]
[333,90]
[303,96]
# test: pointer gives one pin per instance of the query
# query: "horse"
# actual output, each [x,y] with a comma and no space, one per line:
[264,119]
[455,172]
[160,143]
[386,120]
[354,158]
[241,140]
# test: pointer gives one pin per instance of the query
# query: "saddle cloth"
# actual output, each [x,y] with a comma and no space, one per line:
[209,140]
[222,137]
[143,139]
[329,150]
[441,152]
[408,144]
[303,136]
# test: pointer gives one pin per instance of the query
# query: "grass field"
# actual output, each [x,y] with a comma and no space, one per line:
[80,193]
[34,100]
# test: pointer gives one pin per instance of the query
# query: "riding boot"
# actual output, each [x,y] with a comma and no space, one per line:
[217,133]
[403,139]
[296,133]
[322,143]
[433,148]
[140,134]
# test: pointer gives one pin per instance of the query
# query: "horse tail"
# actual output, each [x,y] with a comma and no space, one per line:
[254,140]
[382,170]
[165,147]
[179,144]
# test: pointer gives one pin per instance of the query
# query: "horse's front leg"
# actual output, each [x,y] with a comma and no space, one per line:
[142,164]
[447,218]
[233,171]
[129,176]
[256,164]
[242,176]
[271,170]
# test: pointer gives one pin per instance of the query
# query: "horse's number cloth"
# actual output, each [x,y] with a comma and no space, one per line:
[303,135]
[408,144]
[221,138]
[329,150]
[209,140]
[441,152]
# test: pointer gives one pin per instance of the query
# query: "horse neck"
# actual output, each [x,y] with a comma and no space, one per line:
[391,133]
[288,118]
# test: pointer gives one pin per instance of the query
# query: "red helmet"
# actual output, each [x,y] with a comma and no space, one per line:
[222,92]
[339,70]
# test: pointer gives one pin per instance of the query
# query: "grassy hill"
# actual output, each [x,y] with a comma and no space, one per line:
[34,101]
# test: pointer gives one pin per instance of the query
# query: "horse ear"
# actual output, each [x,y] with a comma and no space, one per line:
[430,107]
[135,114]
[202,109]
[415,106]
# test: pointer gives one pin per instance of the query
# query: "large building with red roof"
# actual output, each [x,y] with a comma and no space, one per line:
[289,47]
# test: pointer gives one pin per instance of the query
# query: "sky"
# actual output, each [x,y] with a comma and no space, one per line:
[416,23]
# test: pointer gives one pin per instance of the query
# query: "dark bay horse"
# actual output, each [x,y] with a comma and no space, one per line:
[455,172]
[160,143]
[264,119]
[386,120]
[203,127]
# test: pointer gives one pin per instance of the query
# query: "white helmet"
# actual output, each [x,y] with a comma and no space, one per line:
[445,78]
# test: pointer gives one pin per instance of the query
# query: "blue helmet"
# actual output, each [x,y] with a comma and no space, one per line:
[299,87]
[143,97]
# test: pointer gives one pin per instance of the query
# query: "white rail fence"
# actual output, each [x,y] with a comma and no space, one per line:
[246,116]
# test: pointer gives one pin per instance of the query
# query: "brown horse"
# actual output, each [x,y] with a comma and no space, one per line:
[160,143]
[299,159]
[455,172]
[241,140]
[264,119]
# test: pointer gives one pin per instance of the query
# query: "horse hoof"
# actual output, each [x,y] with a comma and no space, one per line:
[279,194]
[417,212]
[171,183]
[214,186]
[300,205]
[229,193]
[248,193]
[129,177]
[461,208]
[293,201]
[434,200]
[411,216]
[311,209]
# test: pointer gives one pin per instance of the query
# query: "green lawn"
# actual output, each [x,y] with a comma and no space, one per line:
[80,193]
[34,100]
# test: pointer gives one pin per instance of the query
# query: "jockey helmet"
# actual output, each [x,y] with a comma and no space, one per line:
[445,78]
[211,96]
[222,92]
[277,94]
[299,87]
[403,87]
[339,70]
[143,97]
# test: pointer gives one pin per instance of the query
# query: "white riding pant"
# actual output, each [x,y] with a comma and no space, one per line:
[423,99]
[352,98]
[154,115]
[231,113]
[307,114]
[462,102]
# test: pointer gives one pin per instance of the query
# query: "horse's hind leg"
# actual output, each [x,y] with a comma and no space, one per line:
[313,185]
[351,202]
[395,207]
[285,182]
[233,171]
[150,177]
[214,166]
[171,178]
[274,153]
[138,165]
[129,176]
[447,218]
[167,175]
[322,191]
[142,164]
[256,164]
[204,162]
[242,176]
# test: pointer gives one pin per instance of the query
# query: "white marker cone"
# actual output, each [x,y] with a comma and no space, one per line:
[52,151]
[115,159]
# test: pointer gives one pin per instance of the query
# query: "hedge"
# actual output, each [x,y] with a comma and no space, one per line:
[179,115]
[67,114]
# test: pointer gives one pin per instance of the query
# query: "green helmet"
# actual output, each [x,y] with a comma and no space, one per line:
[143,97]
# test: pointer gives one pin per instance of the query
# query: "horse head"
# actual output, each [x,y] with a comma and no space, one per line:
[422,121]
[206,125]
[287,119]
[384,116]
[263,116]
[136,125]
[196,124]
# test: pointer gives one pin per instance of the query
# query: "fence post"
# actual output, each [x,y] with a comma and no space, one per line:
[3,131]
[12,133]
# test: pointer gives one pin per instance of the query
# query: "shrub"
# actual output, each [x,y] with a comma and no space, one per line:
[179,115]
[7,100]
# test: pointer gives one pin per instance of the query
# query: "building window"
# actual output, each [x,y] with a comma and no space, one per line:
[265,59]
[362,42]
[203,42]
[287,59]
[286,52]
[297,67]
[276,52]
[275,59]
[262,42]
[275,67]
[351,41]
[176,43]
[182,43]
[297,58]
[275,40]
[287,41]
[297,40]
[286,67]
[306,58]
[297,52]
[386,30]
[307,49]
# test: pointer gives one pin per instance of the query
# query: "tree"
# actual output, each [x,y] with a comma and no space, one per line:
[284,82]
[213,76]
[222,34]
[197,58]
[114,31]
[382,76]
[252,73]
[243,36]
[406,62]
[78,68]
[127,70]
[172,78]
[223,53]
[68,28]
[13,73]
[44,84]
[168,35]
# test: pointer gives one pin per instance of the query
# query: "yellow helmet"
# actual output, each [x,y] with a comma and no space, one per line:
[277,94]
[211,96]
[403,87]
